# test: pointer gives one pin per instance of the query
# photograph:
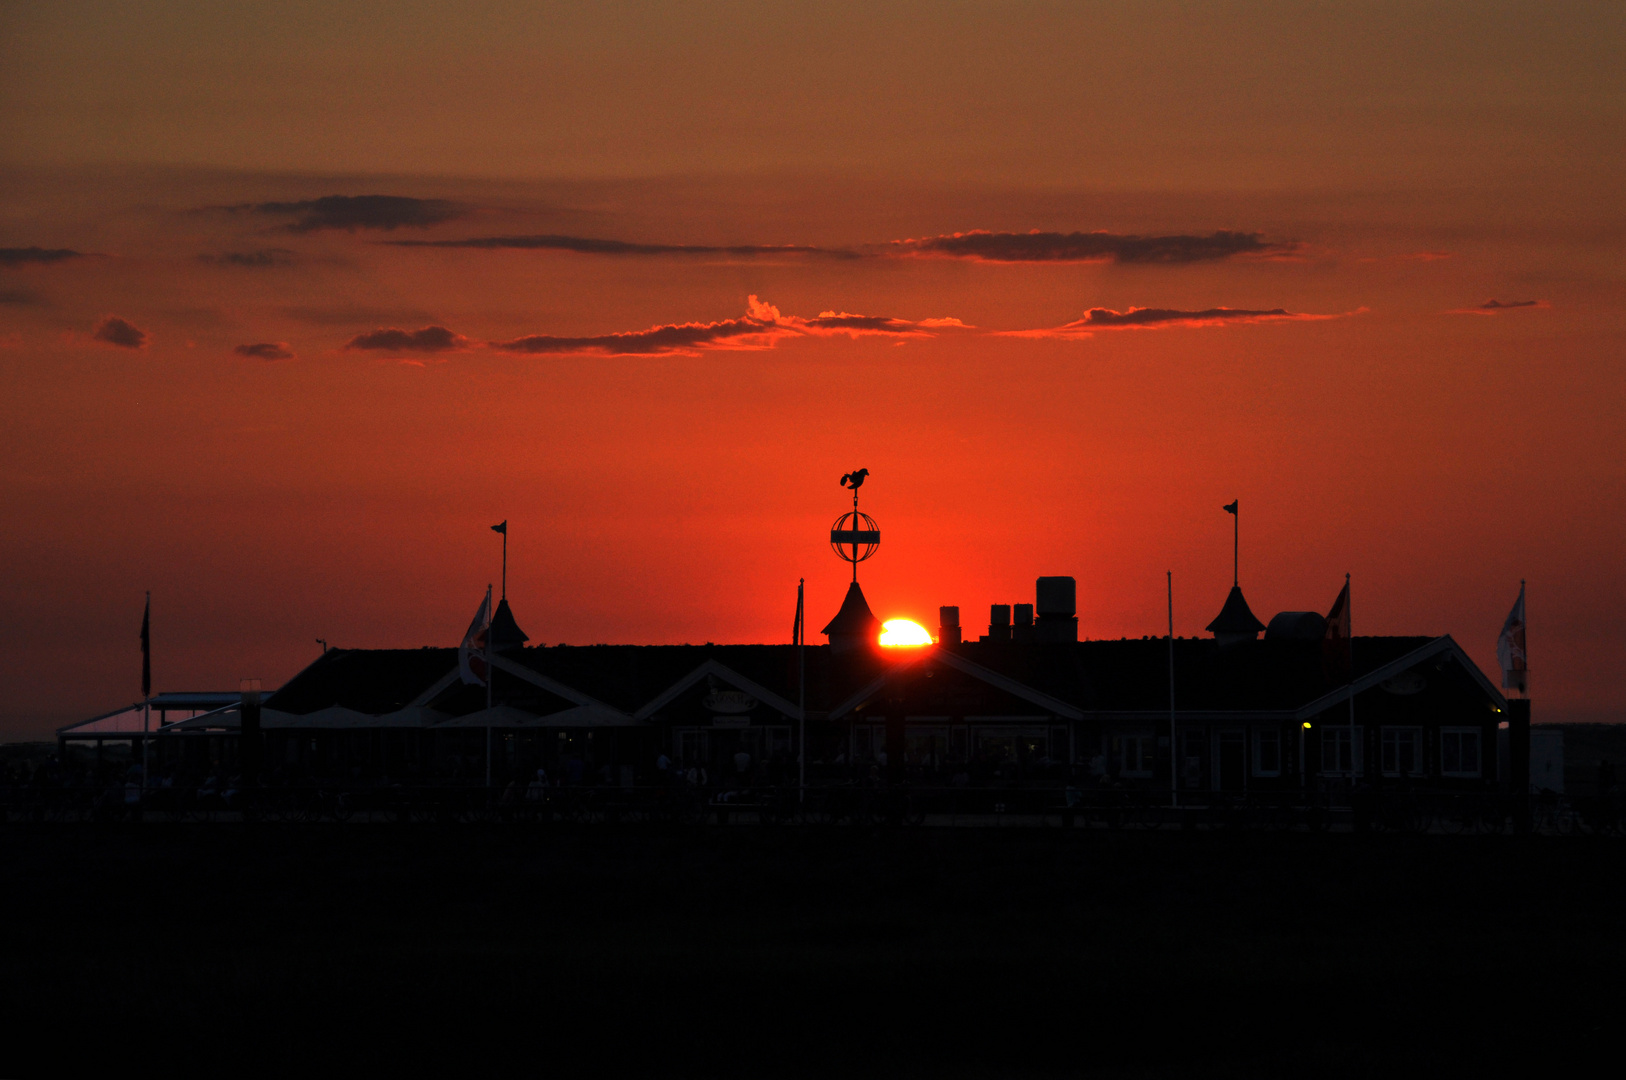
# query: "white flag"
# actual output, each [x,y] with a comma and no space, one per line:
[1510,648]
[471,661]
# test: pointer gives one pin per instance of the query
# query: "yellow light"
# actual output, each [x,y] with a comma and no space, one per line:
[1307,725]
[904,634]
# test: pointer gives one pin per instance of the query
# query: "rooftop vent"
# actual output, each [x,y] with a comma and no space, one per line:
[999,622]
[1296,626]
[1058,609]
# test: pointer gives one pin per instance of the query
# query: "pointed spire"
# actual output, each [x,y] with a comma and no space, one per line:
[505,632]
[855,624]
[1236,621]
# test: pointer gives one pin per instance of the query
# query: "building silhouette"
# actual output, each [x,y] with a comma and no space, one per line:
[1025,704]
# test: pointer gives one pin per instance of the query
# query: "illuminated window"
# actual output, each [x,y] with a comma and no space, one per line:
[1459,752]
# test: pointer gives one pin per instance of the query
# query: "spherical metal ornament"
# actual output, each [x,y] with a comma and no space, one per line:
[855,536]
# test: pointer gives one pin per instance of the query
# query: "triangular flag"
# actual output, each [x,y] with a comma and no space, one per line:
[471,661]
[1510,648]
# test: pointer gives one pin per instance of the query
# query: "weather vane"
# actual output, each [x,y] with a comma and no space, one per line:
[855,536]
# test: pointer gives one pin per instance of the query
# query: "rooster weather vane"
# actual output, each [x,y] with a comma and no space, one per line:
[855,536]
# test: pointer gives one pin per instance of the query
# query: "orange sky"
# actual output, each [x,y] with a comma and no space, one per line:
[1394,166]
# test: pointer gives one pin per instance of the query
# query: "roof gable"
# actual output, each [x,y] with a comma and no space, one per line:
[726,674]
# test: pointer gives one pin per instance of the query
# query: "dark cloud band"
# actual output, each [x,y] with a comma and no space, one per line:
[1005,247]
[1158,318]
[431,339]
[25,256]
[978,245]
[761,327]
[258,260]
[1497,307]
[352,212]
[265,350]
[585,245]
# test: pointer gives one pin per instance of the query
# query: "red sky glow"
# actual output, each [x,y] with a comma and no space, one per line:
[296,300]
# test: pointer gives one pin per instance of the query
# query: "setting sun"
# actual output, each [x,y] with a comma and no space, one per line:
[904,633]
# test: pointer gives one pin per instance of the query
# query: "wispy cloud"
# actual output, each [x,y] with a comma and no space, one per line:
[265,350]
[763,326]
[116,331]
[586,245]
[1496,307]
[353,212]
[430,339]
[1161,318]
[25,256]
[258,260]
[1006,247]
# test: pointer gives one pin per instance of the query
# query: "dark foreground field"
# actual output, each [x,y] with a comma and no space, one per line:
[753,952]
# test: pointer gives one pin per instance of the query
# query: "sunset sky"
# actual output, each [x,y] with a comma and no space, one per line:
[298,299]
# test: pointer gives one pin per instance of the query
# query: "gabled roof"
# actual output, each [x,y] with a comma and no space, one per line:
[370,681]
[552,686]
[149,714]
[625,684]
[1440,646]
[946,658]
[719,671]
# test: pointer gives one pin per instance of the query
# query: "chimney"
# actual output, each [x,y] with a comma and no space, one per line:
[1058,609]
[948,626]
[999,622]
[1023,628]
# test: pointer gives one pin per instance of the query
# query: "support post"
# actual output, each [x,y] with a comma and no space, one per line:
[1174,750]
[1518,760]
[801,692]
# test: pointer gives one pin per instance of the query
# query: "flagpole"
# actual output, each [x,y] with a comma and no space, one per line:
[146,686]
[491,674]
[1174,772]
[1349,609]
[801,692]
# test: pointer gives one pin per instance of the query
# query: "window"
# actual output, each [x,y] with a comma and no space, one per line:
[1402,751]
[1138,751]
[1336,750]
[692,748]
[1192,746]
[1267,753]
[869,742]
[1459,751]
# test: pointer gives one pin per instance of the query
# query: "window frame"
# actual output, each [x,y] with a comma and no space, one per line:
[1258,740]
[1340,732]
[1478,772]
[1147,755]
[1419,741]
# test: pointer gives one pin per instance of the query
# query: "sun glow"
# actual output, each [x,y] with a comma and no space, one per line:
[903,633]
